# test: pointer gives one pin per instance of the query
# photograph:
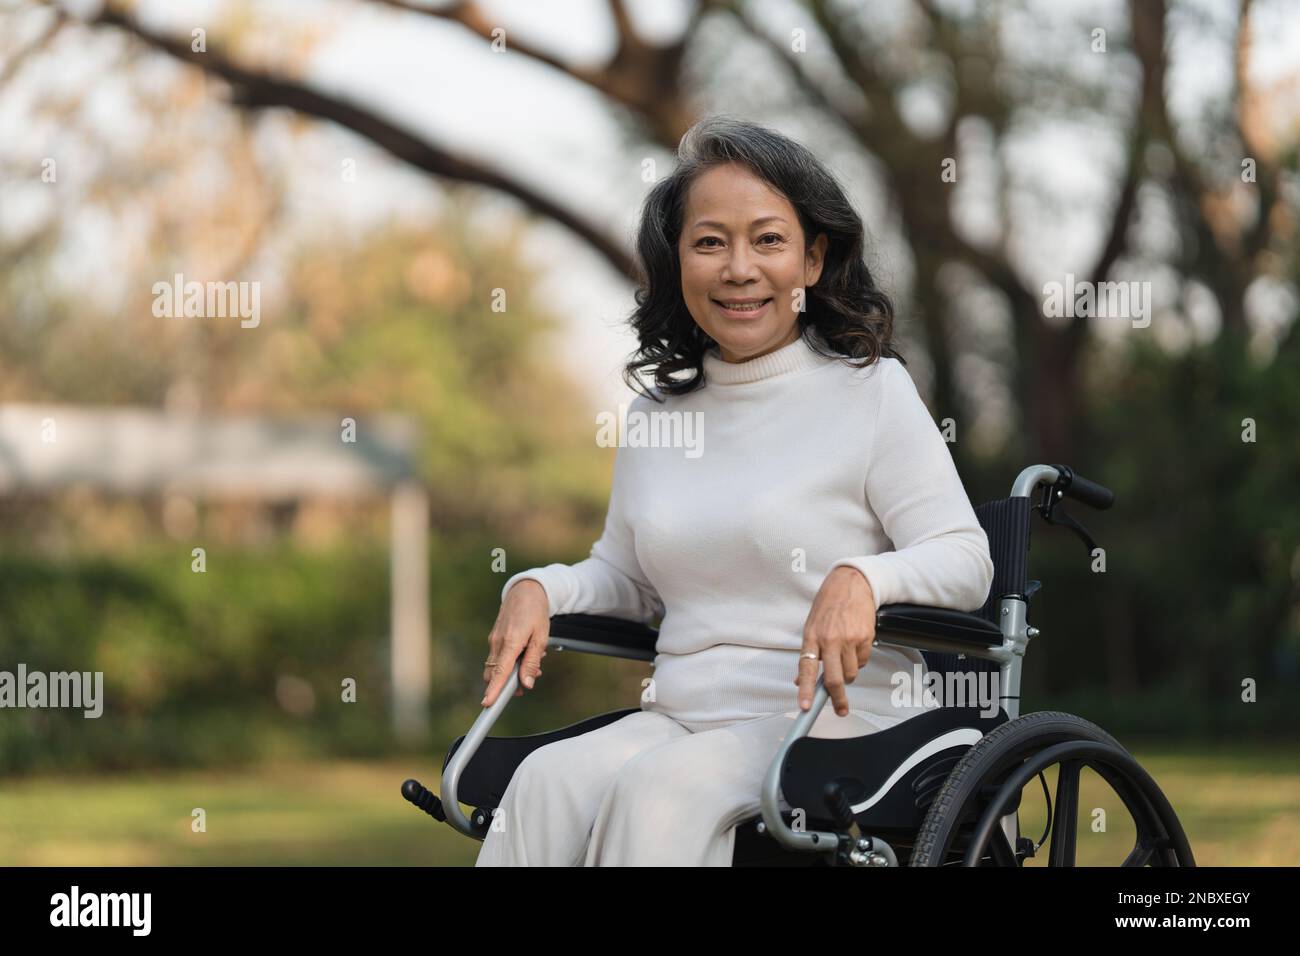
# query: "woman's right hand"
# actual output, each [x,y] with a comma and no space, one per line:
[523,625]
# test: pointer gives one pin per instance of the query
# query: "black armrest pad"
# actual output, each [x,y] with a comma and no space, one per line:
[604,629]
[941,622]
[917,619]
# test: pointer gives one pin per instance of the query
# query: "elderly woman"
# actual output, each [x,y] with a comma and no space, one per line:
[824,490]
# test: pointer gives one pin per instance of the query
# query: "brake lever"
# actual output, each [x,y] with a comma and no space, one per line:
[1068,520]
[1053,511]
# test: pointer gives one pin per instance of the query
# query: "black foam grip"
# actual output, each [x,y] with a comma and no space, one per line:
[1090,493]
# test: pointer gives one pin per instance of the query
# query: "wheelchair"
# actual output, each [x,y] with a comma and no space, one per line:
[942,788]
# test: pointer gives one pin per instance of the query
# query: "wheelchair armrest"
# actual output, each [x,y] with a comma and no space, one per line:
[920,621]
[591,633]
[602,634]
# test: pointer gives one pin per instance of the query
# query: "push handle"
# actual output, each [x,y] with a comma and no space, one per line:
[1082,489]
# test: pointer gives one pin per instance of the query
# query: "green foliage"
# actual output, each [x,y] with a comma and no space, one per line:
[192,661]
[194,664]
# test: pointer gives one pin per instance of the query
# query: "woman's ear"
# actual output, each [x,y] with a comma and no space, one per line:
[814,260]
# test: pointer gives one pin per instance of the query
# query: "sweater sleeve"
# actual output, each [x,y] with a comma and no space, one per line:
[941,554]
[610,581]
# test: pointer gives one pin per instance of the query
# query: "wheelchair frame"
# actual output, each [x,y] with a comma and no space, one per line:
[937,630]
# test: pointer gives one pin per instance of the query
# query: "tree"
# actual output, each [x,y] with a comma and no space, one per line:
[931,45]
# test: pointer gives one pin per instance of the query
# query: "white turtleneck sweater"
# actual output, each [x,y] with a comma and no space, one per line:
[796,464]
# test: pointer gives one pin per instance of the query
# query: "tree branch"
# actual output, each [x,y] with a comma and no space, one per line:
[641,76]
[254,90]
[1218,242]
[811,88]
[1246,116]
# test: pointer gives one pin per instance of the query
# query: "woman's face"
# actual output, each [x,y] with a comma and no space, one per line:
[741,240]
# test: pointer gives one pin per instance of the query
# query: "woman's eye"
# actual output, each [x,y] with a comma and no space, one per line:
[771,235]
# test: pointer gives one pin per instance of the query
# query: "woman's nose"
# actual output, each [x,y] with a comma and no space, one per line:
[739,265]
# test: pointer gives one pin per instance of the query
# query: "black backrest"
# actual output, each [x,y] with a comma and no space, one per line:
[1006,522]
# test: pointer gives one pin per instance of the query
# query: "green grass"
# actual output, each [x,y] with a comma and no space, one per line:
[302,814]
[1239,807]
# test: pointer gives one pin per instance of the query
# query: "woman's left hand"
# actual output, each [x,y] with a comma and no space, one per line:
[839,630]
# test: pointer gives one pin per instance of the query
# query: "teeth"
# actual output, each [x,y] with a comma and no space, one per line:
[745,308]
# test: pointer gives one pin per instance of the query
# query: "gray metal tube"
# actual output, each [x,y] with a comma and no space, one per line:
[465,752]
[1029,479]
[811,840]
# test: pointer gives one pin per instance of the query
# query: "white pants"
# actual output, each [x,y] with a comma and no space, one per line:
[647,790]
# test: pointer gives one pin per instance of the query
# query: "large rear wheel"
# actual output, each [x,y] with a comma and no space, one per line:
[964,823]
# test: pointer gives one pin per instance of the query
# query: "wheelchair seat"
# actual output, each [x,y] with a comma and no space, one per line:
[487,775]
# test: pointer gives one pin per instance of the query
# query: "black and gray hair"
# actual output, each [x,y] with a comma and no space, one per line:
[851,315]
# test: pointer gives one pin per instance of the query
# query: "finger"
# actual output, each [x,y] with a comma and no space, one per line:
[496,645]
[807,680]
[531,668]
[809,667]
[500,674]
[505,664]
[494,648]
[833,661]
[849,659]
[864,649]
[864,653]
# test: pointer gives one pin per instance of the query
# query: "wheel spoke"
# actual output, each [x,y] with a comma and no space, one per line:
[1140,854]
[1000,851]
[1067,814]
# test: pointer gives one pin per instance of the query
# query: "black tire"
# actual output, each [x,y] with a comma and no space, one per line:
[987,762]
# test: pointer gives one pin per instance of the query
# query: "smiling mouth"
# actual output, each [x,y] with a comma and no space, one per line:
[746,308]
